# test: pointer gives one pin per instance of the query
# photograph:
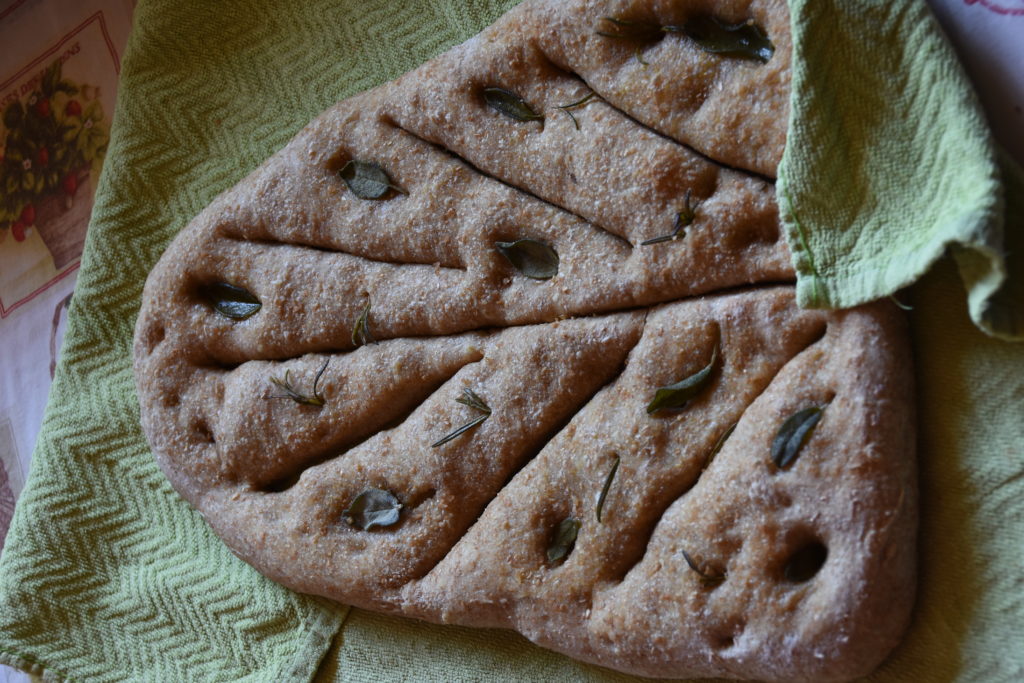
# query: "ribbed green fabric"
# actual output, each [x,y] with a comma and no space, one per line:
[108,575]
[889,161]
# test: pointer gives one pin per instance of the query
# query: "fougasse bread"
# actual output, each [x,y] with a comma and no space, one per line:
[512,342]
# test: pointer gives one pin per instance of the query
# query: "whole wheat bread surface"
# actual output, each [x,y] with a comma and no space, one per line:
[512,342]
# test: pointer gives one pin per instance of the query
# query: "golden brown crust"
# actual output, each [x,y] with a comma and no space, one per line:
[565,365]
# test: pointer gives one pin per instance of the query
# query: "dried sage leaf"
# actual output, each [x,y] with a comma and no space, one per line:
[745,40]
[468,398]
[294,394]
[531,258]
[678,394]
[793,434]
[607,485]
[510,104]
[231,301]
[564,540]
[367,180]
[373,507]
[706,578]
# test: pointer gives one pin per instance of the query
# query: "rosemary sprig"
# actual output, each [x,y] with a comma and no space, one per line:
[607,485]
[706,578]
[683,220]
[361,330]
[468,398]
[291,392]
[718,445]
[578,103]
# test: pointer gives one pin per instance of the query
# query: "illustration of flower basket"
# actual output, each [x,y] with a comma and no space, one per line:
[54,141]
[65,239]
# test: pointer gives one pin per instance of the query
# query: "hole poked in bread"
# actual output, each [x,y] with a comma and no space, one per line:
[804,564]
[803,555]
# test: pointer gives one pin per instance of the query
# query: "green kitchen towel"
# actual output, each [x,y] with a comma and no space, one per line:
[107,575]
[889,162]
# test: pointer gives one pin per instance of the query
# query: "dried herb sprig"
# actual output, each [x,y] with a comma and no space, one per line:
[468,398]
[743,40]
[510,104]
[315,399]
[718,445]
[684,219]
[361,329]
[607,486]
[793,434]
[368,180]
[373,508]
[231,301]
[631,30]
[564,541]
[706,578]
[679,394]
[567,108]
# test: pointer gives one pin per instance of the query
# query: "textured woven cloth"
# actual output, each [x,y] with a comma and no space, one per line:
[108,575]
[889,162]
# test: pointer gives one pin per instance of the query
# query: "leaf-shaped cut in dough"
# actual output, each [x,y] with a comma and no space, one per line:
[509,511]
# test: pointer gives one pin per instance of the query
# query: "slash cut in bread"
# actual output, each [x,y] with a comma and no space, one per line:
[511,342]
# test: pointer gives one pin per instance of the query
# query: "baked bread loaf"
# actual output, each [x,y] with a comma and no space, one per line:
[512,342]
